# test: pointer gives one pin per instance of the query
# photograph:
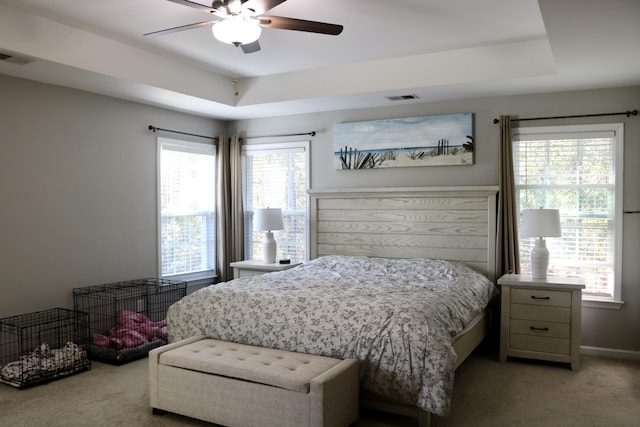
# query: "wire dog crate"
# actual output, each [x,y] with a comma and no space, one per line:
[43,346]
[127,319]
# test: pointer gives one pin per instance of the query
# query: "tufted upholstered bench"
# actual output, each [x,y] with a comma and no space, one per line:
[242,385]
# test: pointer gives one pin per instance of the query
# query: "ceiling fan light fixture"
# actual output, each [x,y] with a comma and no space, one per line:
[237,30]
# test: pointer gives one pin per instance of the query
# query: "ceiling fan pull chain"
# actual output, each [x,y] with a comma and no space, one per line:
[235,71]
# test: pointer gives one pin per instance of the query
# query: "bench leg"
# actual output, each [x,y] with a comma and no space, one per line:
[424,418]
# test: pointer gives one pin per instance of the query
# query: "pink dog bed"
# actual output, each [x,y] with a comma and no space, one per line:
[133,330]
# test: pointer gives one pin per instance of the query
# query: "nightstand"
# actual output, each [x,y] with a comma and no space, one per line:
[254,268]
[540,318]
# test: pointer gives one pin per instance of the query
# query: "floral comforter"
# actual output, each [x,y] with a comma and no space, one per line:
[397,316]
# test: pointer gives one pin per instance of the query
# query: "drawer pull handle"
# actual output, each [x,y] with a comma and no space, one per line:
[535,297]
[533,328]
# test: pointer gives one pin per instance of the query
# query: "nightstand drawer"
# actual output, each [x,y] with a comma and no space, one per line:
[546,314]
[541,329]
[247,273]
[256,268]
[541,297]
[540,344]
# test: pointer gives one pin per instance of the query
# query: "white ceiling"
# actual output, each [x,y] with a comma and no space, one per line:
[435,49]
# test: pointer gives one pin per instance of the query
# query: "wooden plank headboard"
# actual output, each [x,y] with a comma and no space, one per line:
[451,223]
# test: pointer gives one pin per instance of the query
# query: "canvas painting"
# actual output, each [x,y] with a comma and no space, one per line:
[442,140]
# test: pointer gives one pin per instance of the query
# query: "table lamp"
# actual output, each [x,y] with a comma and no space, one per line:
[267,220]
[540,223]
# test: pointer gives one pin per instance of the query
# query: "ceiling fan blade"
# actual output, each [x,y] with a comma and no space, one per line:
[258,7]
[195,5]
[250,47]
[178,29]
[300,25]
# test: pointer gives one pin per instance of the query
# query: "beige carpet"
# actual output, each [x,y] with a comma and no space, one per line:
[605,392]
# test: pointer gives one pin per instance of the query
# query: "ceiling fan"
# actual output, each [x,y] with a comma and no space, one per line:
[240,22]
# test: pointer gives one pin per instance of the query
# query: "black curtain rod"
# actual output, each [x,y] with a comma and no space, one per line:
[155,129]
[312,133]
[626,113]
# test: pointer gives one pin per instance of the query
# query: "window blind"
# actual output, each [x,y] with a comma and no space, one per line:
[575,170]
[275,176]
[187,207]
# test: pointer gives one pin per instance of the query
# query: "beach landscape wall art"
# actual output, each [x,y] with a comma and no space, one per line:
[442,140]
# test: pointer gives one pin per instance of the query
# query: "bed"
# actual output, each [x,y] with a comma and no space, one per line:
[398,278]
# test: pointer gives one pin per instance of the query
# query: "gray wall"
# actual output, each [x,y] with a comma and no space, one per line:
[78,184]
[77,191]
[606,328]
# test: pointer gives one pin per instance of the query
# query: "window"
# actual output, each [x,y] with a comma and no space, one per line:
[186,208]
[276,176]
[578,170]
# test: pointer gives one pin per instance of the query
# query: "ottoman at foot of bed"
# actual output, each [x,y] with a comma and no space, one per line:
[242,385]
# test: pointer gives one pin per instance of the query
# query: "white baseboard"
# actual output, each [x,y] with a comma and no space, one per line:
[610,352]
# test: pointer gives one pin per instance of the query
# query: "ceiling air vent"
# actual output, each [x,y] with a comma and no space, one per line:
[14,59]
[402,97]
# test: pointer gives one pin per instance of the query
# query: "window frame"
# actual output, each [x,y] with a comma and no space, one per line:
[279,146]
[184,145]
[615,301]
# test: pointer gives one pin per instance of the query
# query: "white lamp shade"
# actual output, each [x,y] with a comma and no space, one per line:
[540,223]
[237,30]
[268,219]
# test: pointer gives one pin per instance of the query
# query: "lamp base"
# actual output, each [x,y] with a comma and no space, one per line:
[539,260]
[269,248]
